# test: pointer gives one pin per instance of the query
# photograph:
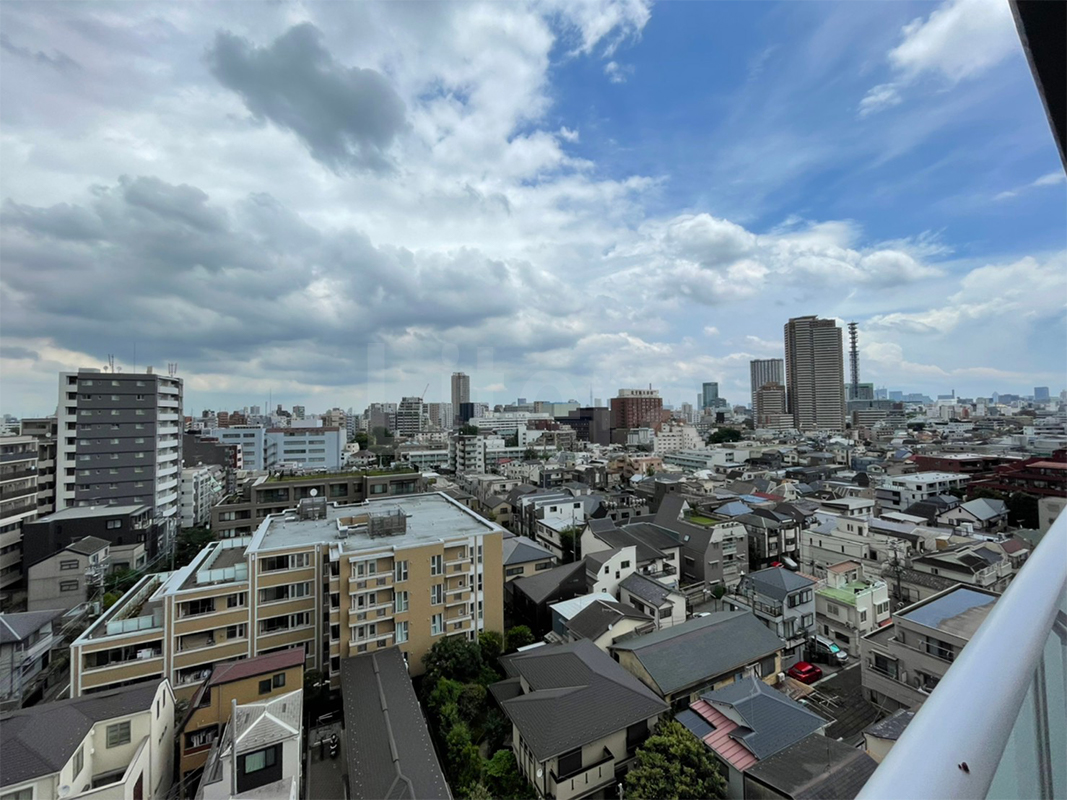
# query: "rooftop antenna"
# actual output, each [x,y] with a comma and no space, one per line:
[111,363]
[854,359]
[172,368]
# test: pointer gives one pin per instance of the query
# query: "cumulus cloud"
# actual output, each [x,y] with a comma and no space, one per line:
[346,116]
[617,73]
[960,39]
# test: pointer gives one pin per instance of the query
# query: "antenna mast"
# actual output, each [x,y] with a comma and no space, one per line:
[854,360]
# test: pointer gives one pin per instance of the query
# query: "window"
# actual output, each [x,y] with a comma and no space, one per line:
[79,761]
[400,602]
[624,565]
[205,605]
[435,565]
[437,594]
[400,571]
[437,624]
[68,565]
[114,524]
[21,794]
[569,763]
[833,610]
[480,612]
[279,680]
[400,632]
[235,600]
[262,759]
[68,586]
[118,734]
[265,686]
[335,632]
[509,571]
[236,631]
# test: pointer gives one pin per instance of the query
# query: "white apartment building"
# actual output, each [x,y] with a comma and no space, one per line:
[120,442]
[116,744]
[898,492]
[848,605]
[202,488]
[311,448]
[411,416]
[18,501]
[506,423]
[252,439]
[673,438]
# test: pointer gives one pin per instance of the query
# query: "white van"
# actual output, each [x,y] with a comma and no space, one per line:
[823,649]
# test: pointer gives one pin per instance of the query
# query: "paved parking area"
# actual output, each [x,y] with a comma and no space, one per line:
[840,698]
[326,777]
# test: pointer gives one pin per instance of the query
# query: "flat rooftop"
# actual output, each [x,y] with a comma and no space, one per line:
[430,517]
[92,512]
[959,612]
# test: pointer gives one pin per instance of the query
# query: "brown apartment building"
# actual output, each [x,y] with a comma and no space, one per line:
[334,579]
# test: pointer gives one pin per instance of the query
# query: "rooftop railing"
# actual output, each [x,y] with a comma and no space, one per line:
[995,725]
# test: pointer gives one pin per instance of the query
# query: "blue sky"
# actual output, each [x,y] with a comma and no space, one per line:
[341,203]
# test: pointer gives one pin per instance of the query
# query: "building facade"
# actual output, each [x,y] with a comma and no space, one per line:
[815,374]
[636,408]
[461,392]
[202,488]
[18,502]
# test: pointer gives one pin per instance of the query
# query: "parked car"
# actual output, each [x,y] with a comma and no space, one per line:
[824,650]
[805,672]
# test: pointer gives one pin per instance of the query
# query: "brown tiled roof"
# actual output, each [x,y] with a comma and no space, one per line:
[260,665]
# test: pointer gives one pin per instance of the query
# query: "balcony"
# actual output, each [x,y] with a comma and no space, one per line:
[1006,743]
[586,780]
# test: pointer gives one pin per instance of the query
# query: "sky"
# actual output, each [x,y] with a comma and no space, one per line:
[331,204]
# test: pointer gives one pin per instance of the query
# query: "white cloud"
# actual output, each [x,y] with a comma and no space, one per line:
[617,73]
[1049,179]
[960,39]
[568,135]
[711,330]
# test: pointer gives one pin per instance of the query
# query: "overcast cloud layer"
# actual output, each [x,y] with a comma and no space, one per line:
[341,203]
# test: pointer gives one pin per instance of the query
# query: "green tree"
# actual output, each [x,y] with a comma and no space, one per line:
[721,435]
[468,430]
[674,763]
[518,636]
[110,599]
[502,777]
[1023,510]
[362,439]
[443,703]
[530,454]
[497,730]
[571,543]
[188,543]
[472,702]
[491,643]
[454,657]
[478,791]
[462,758]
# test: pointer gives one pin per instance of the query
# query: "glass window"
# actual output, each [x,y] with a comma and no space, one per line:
[254,762]
[437,624]
[279,680]
[79,761]
[400,633]
[400,571]
[265,686]
[400,602]
[68,565]
[435,565]
[118,734]
[437,594]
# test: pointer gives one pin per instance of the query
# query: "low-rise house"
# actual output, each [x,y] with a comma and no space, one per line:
[606,569]
[388,749]
[815,767]
[901,663]
[26,642]
[245,681]
[117,743]
[784,602]
[746,722]
[606,621]
[656,550]
[681,662]
[984,514]
[532,596]
[258,754]
[523,557]
[848,605]
[879,737]
[66,578]
[772,536]
[985,565]
[665,605]
[577,718]
[714,553]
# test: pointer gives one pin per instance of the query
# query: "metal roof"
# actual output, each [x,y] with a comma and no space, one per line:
[521,550]
[769,721]
[599,617]
[960,611]
[231,671]
[777,582]
[88,545]
[16,627]
[647,589]
[540,585]
[816,768]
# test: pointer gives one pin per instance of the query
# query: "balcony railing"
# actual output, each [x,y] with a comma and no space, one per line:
[1008,743]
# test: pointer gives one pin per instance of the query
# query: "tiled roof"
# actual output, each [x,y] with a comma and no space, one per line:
[777,582]
[647,589]
[770,721]
[257,725]
[16,627]
[598,618]
[727,748]
[231,671]
[88,545]
[521,550]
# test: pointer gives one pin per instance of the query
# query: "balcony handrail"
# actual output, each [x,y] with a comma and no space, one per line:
[953,746]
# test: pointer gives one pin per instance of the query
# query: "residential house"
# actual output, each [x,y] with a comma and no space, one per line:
[134,536]
[577,718]
[714,553]
[848,605]
[26,642]
[815,767]
[982,515]
[606,621]
[984,564]
[259,752]
[898,492]
[118,743]
[69,576]
[606,569]
[772,536]
[531,596]
[784,602]
[523,557]
[879,737]
[681,662]
[665,605]
[388,749]
[656,549]
[245,681]
[901,663]
[746,722]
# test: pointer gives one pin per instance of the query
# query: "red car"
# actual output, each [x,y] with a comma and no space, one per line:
[805,672]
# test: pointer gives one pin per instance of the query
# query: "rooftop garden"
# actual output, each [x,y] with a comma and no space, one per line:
[356,473]
[700,519]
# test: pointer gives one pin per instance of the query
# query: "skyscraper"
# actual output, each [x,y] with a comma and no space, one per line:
[709,395]
[1041,394]
[761,372]
[815,379]
[121,442]
[461,391]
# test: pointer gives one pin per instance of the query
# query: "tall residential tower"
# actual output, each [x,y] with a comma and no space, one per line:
[815,387]
[461,392]
[761,372]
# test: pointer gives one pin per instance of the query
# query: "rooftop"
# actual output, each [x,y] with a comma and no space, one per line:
[958,611]
[16,627]
[847,593]
[230,671]
[93,512]
[353,473]
[429,518]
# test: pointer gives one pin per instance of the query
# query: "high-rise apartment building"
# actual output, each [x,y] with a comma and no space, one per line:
[43,429]
[815,379]
[120,442]
[410,416]
[18,501]
[770,408]
[709,395]
[335,580]
[461,391]
[440,415]
[636,408]
[763,371]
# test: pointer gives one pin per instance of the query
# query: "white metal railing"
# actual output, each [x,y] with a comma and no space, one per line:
[994,727]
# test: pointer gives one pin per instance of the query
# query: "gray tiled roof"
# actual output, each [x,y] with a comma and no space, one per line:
[816,768]
[773,721]
[777,582]
[701,648]
[598,618]
[88,545]
[617,537]
[257,725]
[540,585]
[893,726]
[521,550]
[388,747]
[16,627]
[40,740]
[647,589]
[578,695]
[653,535]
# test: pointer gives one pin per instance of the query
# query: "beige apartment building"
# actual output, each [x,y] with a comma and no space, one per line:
[335,579]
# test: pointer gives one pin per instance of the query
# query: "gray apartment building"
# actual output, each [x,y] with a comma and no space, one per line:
[815,373]
[120,442]
[43,429]
[18,502]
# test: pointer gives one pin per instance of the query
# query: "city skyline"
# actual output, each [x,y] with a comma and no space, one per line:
[516,216]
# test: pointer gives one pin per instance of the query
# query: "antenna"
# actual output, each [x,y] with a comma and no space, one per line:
[854,359]
[111,363]
[172,368]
